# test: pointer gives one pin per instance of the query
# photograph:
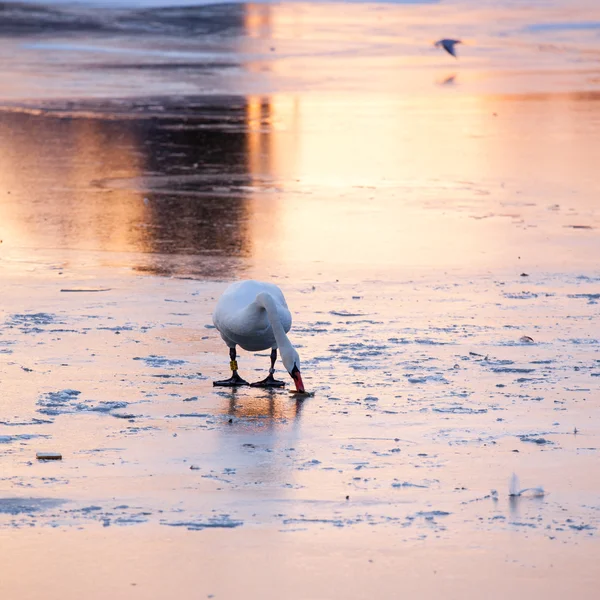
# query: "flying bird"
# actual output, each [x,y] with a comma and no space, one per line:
[448,45]
[255,316]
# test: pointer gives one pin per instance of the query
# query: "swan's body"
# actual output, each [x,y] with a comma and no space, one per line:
[242,321]
[255,316]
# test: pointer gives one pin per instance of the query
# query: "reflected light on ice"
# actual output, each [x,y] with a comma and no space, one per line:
[47,171]
[433,181]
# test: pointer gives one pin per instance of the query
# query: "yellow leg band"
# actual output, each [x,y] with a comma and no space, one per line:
[233,365]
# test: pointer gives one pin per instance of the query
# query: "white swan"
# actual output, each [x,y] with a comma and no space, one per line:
[255,316]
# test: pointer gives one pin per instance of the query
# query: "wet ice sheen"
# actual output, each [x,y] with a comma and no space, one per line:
[411,312]
[437,420]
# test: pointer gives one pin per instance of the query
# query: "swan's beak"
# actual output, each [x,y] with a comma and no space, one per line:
[297,379]
[298,382]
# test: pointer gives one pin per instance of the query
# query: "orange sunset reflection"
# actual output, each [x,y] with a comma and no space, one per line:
[47,184]
[398,172]
[431,181]
[350,153]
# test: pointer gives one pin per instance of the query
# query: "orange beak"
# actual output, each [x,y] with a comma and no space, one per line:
[298,381]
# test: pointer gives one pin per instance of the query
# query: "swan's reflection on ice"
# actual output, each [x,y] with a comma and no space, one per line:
[260,436]
[269,409]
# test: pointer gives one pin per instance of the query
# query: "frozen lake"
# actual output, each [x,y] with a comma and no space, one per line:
[433,223]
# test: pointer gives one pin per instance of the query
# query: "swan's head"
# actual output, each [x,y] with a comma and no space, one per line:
[291,361]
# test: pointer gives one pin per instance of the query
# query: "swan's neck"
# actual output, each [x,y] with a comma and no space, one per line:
[266,301]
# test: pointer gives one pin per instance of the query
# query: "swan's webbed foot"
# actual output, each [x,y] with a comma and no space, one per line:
[234,381]
[268,382]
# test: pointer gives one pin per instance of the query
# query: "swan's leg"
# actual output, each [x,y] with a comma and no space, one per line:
[235,379]
[270,381]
